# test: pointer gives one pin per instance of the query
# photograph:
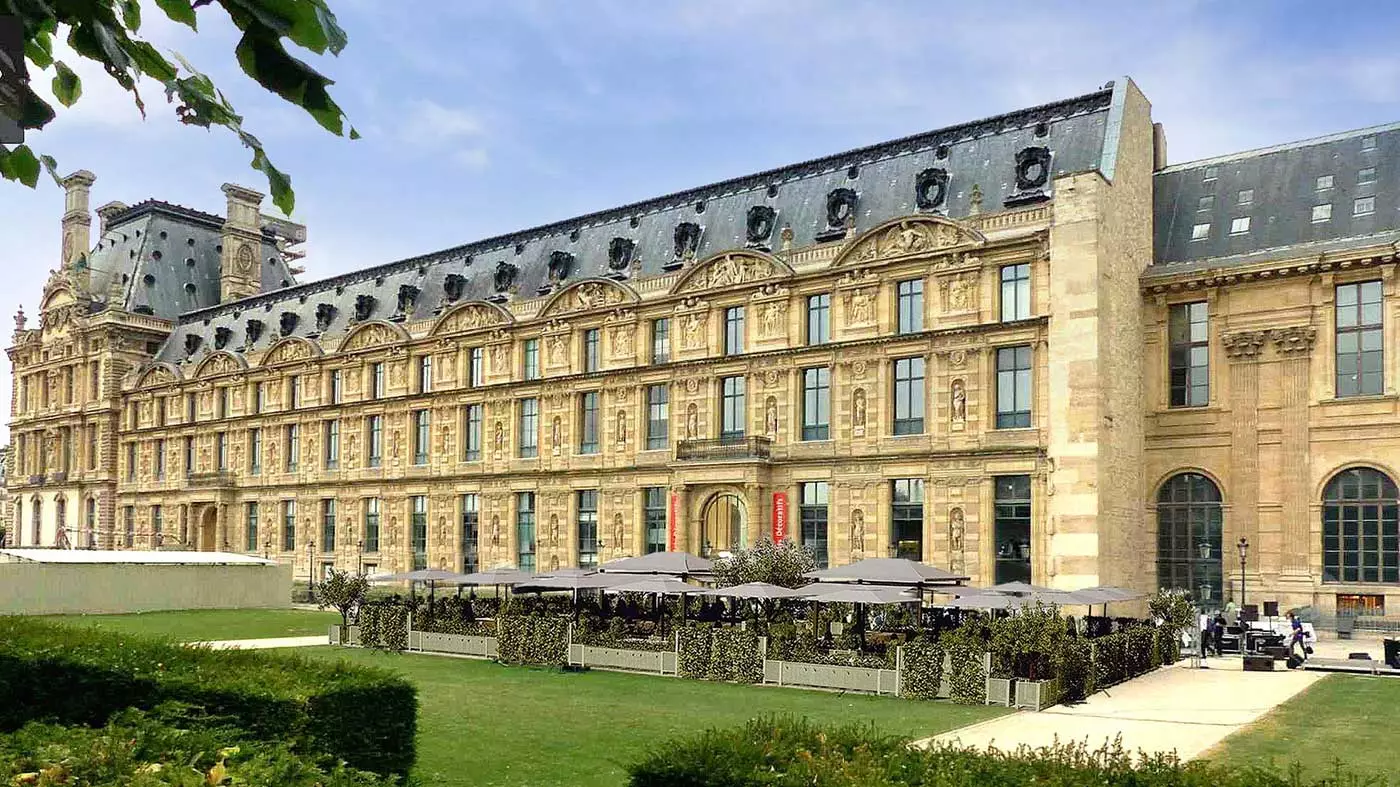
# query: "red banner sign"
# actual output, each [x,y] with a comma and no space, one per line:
[671,520]
[780,517]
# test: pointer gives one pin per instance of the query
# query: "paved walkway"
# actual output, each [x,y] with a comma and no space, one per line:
[264,644]
[1173,709]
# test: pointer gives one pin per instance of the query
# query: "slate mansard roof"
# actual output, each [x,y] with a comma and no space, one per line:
[1285,184]
[884,178]
[162,259]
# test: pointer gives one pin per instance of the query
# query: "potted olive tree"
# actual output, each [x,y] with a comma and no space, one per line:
[345,593]
[1036,654]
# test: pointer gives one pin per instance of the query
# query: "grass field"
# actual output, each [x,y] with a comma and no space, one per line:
[212,624]
[1348,717]
[486,725]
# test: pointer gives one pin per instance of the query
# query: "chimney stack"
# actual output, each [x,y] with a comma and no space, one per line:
[105,214]
[77,222]
[240,274]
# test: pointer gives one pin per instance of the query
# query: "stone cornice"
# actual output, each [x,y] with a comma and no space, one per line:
[1169,281]
[1247,345]
[1243,345]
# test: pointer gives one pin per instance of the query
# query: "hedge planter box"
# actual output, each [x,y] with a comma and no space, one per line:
[656,662]
[999,692]
[827,676]
[1037,695]
[456,644]
[345,635]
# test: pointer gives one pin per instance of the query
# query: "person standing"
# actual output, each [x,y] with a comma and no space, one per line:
[1296,636]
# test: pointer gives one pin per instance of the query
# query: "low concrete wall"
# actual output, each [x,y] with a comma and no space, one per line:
[56,589]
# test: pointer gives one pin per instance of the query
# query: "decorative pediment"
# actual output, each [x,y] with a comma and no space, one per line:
[730,268]
[159,374]
[372,334]
[471,316]
[291,350]
[588,295]
[908,236]
[217,363]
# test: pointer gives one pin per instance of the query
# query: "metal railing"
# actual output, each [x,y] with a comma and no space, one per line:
[725,448]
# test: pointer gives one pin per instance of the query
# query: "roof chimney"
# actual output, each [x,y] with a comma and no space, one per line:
[77,223]
[106,213]
[239,273]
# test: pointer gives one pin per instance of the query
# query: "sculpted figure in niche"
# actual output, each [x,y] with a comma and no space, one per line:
[553,562]
[959,403]
[554,434]
[858,409]
[558,349]
[554,529]
[770,417]
[956,529]
[857,533]
[500,436]
[621,428]
[772,318]
[692,422]
[495,530]
[693,326]
[960,295]
[862,307]
[618,536]
[622,341]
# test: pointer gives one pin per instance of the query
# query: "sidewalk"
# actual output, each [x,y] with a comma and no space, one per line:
[265,644]
[1173,709]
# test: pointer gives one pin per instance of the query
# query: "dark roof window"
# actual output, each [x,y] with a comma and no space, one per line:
[1368,142]
[1321,213]
[1211,173]
[1246,196]
[1200,231]
[1206,203]
[1324,182]
[1366,175]
[1239,226]
[1363,206]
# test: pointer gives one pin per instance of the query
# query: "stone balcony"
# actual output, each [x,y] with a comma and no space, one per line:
[757,449]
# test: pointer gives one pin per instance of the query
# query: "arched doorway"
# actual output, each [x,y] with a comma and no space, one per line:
[208,524]
[722,524]
[1190,538]
[1361,527]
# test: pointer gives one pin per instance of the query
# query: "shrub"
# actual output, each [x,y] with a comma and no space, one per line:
[693,651]
[344,592]
[777,564]
[83,676]
[540,640]
[136,748]
[967,673]
[735,656]
[1076,670]
[923,670]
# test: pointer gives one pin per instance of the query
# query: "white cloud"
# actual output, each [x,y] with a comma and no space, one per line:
[430,122]
[471,158]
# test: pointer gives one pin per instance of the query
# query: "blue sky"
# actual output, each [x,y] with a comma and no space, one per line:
[481,118]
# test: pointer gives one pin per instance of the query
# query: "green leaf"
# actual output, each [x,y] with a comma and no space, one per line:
[353,133]
[131,14]
[266,61]
[20,164]
[152,63]
[67,88]
[181,11]
[31,111]
[277,181]
[39,50]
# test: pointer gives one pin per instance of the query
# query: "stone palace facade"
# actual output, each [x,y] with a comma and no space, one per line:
[1019,348]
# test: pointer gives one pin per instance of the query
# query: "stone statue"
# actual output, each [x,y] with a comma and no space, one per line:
[772,318]
[959,396]
[692,422]
[554,434]
[20,320]
[558,349]
[621,427]
[500,438]
[857,533]
[618,536]
[956,529]
[770,417]
[862,307]
[554,529]
[960,295]
[622,341]
[553,562]
[495,530]
[858,409]
[693,326]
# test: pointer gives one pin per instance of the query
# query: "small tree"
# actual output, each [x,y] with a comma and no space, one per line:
[344,592]
[777,564]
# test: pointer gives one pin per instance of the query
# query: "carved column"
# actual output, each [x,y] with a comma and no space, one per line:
[1243,349]
[1294,345]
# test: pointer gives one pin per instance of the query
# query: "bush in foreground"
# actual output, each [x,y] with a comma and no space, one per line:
[71,675]
[791,753]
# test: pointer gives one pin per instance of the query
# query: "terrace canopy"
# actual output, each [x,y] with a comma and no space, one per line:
[496,576]
[861,595]
[676,564]
[762,591]
[888,571]
[665,586]
[431,576]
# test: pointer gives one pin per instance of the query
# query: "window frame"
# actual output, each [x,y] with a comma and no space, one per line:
[733,408]
[816,403]
[1188,382]
[909,306]
[907,414]
[1022,381]
[819,319]
[528,439]
[658,417]
[1369,364]
[734,318]
[589,407]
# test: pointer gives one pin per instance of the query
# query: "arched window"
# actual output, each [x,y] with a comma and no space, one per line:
[1360,527]
[1189,537]
[723,524]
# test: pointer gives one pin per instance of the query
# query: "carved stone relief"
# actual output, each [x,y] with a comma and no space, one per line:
[958,404]
[858,412]
[959,292]
[770,417]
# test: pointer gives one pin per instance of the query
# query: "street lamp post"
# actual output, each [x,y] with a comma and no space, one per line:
[1243,546]
[311,566]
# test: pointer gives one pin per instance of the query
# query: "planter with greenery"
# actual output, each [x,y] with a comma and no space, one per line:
[540,640]
[923,670]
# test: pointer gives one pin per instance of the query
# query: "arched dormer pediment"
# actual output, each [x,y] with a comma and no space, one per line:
[291,350]
[909,236]
[158,374]
[220,362]
[729,268]
[375,333]
[588,295]
[471,316]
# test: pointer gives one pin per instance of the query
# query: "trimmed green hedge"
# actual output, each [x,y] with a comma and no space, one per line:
[136,749]
[539,640]
[707,652]
[71,675]
[923,670]
[795,753]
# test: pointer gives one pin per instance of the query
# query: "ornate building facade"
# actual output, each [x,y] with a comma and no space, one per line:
[1005,348]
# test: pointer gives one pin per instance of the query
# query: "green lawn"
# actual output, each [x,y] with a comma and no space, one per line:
[487,725]
[212,624]
[1351,717]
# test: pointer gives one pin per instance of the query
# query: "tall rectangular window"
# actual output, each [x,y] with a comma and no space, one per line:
[734,330]
[907,518]
[658,416]
[328,512]
[294,391]
[588,528]
[255,451]
[588,423]
[1359,339]
[661,340]
[1012,524]
[221,399]
[816,403]
[157,525]
[476,366]
[289,525]
[529,428]
[189,457]
[532,359]
[425,374]
[293,447]
[130,461]
[93,447]
[654,518]
[525,530]
[909,297]
[471,443]
[332,441]
[815,497]
[908,396]
[732,410]
[189,408]
[1013,387]
[160,459]
[819,318]
[422,436]
[372,524]
[221,451]
[471,533]
[1189,354]
[418,531]
[250,526]
[95,381]
[376,380]
[259,397]
[1015,292]
[337,387]
[590,350]
[129,537]
[374,440]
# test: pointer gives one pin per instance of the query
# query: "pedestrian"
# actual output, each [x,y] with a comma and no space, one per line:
[1296,637]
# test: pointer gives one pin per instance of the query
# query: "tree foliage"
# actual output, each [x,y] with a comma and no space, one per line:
[777,564]
[107,32]
[344,592]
